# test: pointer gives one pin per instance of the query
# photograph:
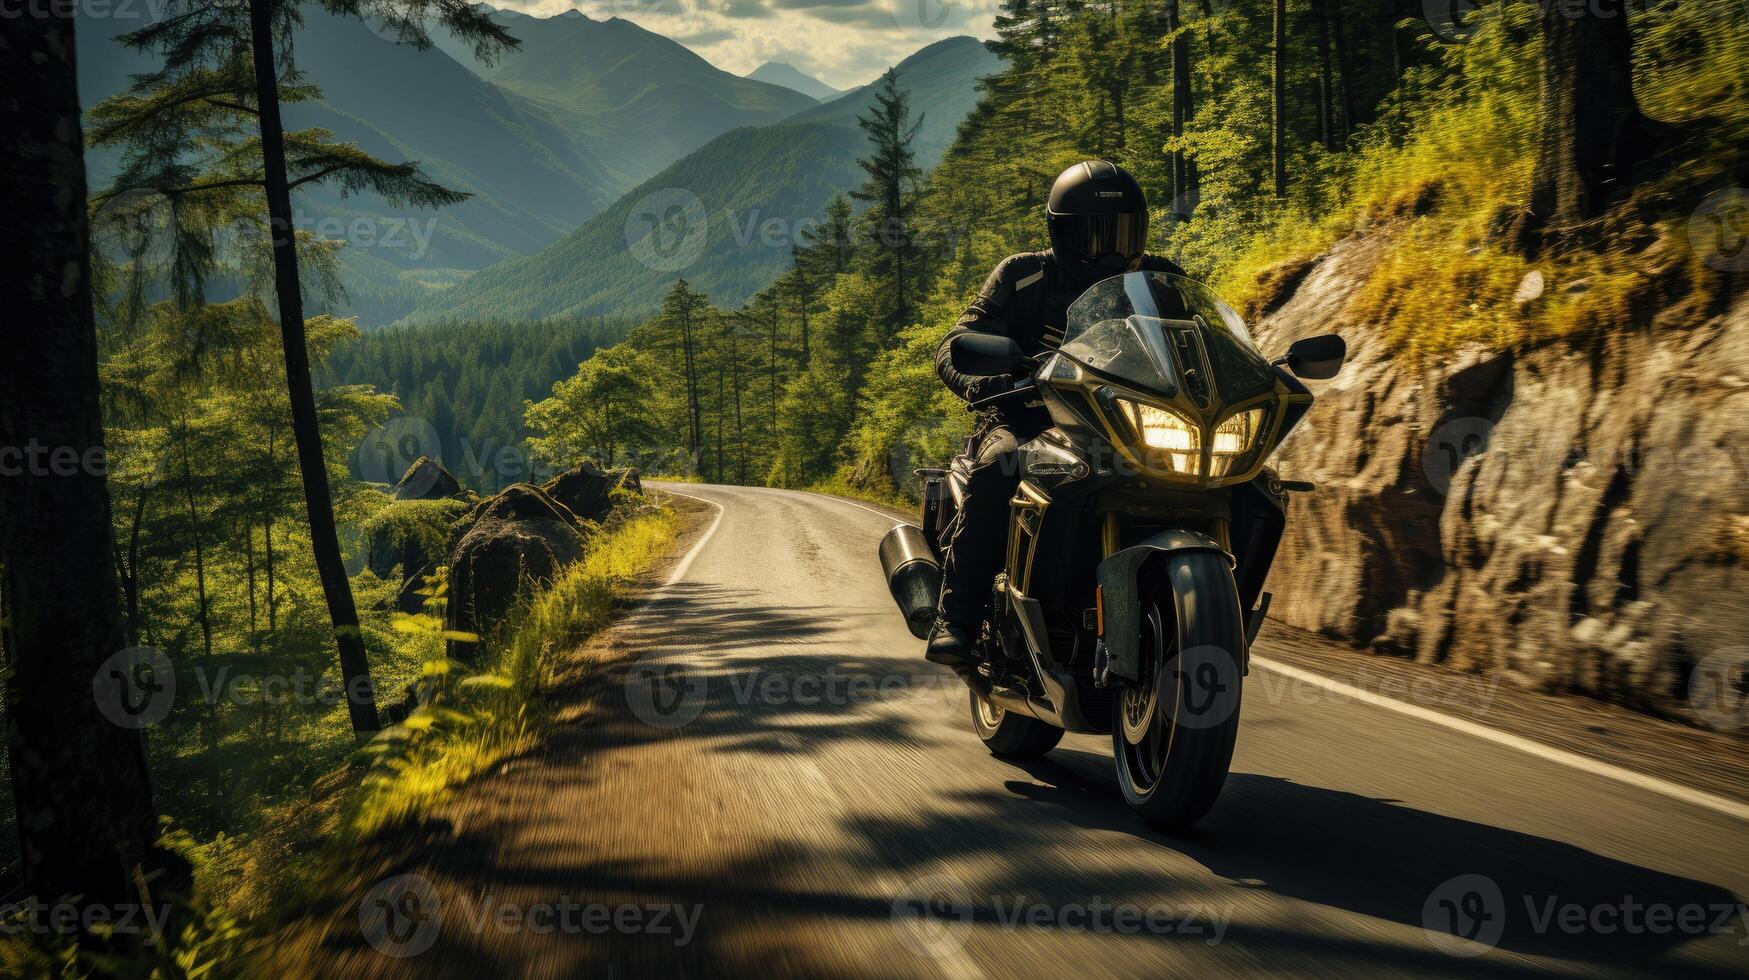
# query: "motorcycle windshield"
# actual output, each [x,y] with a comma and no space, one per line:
[1138,328]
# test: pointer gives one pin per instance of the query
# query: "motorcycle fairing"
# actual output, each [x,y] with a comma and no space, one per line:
[1121,598]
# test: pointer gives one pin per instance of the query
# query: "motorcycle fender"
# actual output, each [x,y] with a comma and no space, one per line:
[1121,600]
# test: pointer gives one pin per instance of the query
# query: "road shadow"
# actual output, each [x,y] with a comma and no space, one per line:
[1384,859]
[722,673]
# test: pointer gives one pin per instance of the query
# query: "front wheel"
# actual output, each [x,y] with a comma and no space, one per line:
[1008,734]
[1173,734]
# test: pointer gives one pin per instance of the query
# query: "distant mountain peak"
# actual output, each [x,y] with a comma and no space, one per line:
[789,76]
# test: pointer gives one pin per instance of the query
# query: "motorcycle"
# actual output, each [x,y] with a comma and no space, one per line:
[1140,537]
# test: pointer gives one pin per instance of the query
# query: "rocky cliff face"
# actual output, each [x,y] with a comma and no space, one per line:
[1574,517]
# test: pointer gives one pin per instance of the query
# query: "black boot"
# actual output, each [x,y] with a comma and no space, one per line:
[952,645]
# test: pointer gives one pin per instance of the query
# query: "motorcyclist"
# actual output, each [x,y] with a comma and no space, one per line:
[1098,220]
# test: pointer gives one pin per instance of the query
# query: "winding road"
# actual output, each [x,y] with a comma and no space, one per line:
[771,781]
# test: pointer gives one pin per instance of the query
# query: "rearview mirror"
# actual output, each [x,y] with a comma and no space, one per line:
[1316,358]
[985,354]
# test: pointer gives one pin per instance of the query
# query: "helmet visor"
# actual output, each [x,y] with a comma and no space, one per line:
[1096,235]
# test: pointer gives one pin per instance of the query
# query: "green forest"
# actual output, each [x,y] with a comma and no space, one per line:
[1263,133]
[244,489]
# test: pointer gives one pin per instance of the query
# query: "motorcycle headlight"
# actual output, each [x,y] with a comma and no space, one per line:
[1233,441]
[1177,439]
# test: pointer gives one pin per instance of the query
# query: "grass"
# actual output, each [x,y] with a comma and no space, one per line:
[839,485]
[1440,189]
[311,851]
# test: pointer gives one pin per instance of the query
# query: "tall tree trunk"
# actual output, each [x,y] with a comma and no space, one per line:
[83,797]
[249,567]
[267,557]
[694,423]
[206,625]
[1592,136]
[1321,14]
[740,435]
[1344,70]
[306,432]
[1278,101]
[267,532]
[1183,180]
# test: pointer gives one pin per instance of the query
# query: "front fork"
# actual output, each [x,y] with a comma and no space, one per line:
[1219,536]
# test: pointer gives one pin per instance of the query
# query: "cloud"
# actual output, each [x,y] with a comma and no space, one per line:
[843,43]
[743,9]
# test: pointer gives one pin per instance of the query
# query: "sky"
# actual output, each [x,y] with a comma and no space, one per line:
[843,43]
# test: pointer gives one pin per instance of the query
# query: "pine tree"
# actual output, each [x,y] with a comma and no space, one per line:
[890,192]
[223,63]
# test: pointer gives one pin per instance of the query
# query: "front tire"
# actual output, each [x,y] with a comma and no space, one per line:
[1010,735]
[1172,735]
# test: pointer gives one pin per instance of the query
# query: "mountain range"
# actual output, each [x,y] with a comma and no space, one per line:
[790,77]
[724,216]
[558,143]
[638,99]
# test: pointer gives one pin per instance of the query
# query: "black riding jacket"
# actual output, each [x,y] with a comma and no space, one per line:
[1026,299]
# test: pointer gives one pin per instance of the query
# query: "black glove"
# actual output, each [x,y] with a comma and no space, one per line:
[984,387]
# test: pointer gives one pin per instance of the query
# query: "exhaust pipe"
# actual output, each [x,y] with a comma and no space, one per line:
[913,576]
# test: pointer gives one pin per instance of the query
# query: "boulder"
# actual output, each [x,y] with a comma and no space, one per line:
[586,489]
[426,479]
[519,538]
[1567,514]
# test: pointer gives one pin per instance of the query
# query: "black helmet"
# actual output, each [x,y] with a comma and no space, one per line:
[1098,218]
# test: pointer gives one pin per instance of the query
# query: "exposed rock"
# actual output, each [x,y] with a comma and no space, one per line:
[586,489]
[1569,516]
[518,538]
[1530,288]
[426,479]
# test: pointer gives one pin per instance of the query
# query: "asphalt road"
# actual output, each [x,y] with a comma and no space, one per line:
[778,784]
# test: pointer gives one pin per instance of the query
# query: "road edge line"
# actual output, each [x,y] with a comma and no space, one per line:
[685,563]
[1573,760]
